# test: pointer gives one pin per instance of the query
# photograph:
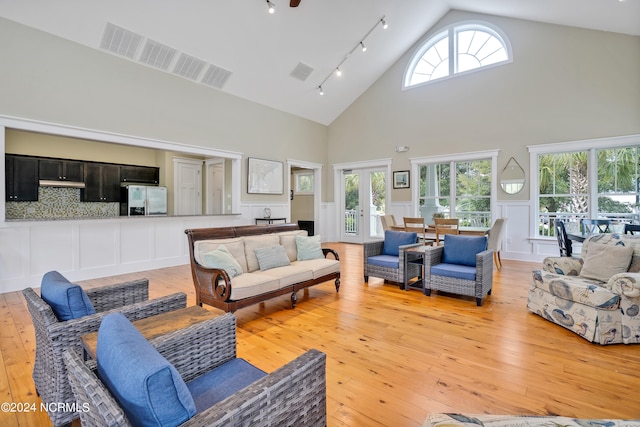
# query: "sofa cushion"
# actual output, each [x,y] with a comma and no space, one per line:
[234,245]
[320,267]
[456,271]
[309,247]
[604,261]
[386,261]
[394,239]
[462,249]
[222,382]
[272,257]
[288,240]
[147,387]
[251,243]
[67,300]
[289,275]
[568,290]
[222,258]
[251,284]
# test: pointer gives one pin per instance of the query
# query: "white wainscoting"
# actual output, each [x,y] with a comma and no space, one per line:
[85,249]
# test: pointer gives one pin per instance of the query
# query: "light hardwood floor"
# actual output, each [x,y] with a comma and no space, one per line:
[394,356]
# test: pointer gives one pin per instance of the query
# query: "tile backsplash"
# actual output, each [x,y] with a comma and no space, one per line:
[60,203]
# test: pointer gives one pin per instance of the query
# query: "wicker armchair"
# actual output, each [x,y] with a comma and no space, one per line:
[478,280]
[54,336]
[392,273]
[293,395]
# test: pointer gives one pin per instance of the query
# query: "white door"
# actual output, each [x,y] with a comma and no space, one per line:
[363,200]
[188,186]
[215,187]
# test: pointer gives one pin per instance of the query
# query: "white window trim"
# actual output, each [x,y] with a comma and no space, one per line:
[563,147]
[426,44]
[416,162]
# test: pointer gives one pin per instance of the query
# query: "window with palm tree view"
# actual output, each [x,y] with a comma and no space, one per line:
[600,183]
[457,189]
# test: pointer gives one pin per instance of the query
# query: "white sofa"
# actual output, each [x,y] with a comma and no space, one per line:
[596,296]
[269,263]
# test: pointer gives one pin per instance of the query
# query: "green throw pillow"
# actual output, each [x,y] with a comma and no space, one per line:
[272,257]
[221,258]
[309,247]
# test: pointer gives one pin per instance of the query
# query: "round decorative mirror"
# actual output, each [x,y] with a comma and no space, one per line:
[512,177]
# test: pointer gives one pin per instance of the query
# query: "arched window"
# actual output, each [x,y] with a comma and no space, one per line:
[471,45]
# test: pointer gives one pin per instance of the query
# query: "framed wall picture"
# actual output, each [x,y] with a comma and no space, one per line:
[265,177]
[401,179]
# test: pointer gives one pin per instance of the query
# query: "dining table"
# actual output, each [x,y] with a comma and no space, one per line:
[431,230]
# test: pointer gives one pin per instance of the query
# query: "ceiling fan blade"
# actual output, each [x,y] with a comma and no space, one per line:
[294,3]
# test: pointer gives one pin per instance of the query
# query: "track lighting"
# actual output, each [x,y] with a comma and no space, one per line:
[338,70]
[271,7]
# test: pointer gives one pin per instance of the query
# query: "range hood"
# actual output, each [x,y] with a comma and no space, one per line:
[64,184]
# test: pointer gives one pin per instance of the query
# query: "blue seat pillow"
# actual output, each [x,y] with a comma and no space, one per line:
[456,271]
[148,388]
[462,249]
[386,261]
[67,300]
[394,239]
[222,382]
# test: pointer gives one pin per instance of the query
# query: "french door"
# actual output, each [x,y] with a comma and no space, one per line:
[363,201]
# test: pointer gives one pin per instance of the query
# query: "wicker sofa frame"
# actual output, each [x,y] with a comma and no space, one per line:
[395,275]
[293,395]
[54,337]
[478,288]
[213,286]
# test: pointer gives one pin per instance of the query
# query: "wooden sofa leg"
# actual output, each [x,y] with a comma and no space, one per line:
[338,285]
[294,299]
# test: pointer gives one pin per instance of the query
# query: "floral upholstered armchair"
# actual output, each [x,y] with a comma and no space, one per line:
[596,296]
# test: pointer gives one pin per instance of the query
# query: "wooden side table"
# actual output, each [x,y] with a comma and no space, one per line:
[155,326]
[413,256]
[270,220]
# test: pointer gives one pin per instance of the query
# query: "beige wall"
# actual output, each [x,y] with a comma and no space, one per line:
[49,79]
[564,84]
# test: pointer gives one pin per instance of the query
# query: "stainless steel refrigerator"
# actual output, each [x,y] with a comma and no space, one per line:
[138,200]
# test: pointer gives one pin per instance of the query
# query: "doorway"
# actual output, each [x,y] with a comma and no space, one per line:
[363,199]
[187,186]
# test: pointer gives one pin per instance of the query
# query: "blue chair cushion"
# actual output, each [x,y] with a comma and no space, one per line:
[387,261]
[147,387]
[456,271]
[462,249]
[222,382]
[394,239]
[67,300]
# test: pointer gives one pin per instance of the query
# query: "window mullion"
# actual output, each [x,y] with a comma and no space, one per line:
[453,48]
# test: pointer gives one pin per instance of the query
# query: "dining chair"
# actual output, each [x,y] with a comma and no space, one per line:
[591,226]
[631,228]
[446,226]
[563,240]
[495,235]
[388,221]
[417,225]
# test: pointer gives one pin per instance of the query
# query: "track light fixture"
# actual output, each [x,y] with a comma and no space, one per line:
[271,7]
[338,70]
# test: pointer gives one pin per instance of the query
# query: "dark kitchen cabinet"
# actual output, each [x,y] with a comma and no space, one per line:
[21,178]
[61,170]
[102,183]
[140,175]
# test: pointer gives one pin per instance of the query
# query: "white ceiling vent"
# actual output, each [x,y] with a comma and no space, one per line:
[120,41]
[301,72]
[216,77]
[157,55]
[189,67]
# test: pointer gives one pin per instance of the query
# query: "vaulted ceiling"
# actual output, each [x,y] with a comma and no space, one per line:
[236,46]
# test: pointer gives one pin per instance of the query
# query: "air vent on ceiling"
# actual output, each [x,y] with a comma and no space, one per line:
[157,55]
[216,76]
[120,41]
[188,67]
[301,72]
